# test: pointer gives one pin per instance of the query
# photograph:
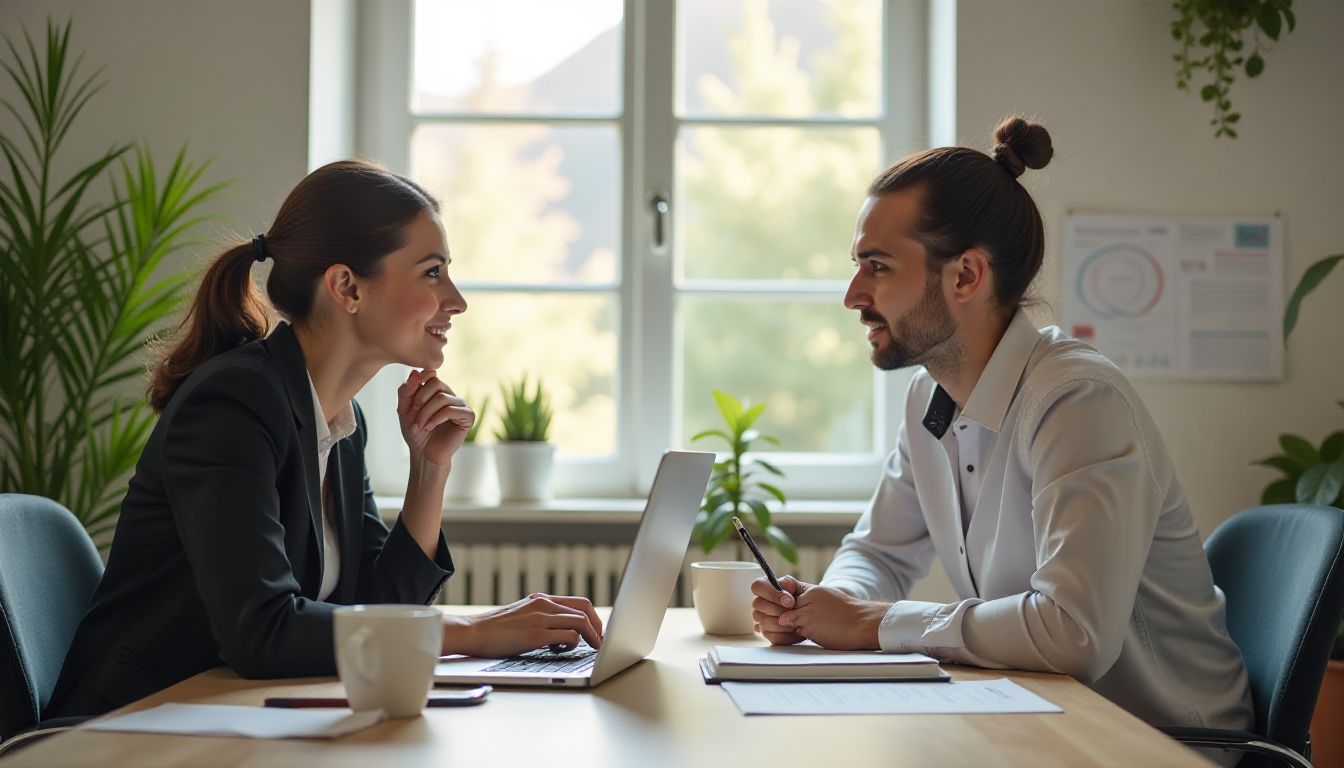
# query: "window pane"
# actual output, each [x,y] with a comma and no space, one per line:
[795,58]
[525,203]
[771,202]
[807,360]
[517,56]
[566,340]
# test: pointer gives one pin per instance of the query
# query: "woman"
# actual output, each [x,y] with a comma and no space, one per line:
[249,518]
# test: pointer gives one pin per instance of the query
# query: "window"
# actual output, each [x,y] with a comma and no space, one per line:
[649,200]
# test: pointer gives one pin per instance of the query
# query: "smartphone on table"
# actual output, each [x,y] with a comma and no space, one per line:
[438,698]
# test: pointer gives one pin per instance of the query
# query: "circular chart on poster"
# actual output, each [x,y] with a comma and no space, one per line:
[1120,281]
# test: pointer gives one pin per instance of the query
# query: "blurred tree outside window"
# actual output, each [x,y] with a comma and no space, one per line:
[778,113]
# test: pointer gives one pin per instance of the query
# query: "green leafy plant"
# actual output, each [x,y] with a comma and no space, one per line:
[1310,280]
[1221,37]
[481,413]
[1311,475]
[78,295]
[735,487]
[526,418]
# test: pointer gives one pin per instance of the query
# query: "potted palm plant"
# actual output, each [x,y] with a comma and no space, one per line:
[523,455]
[81,291]
[721,590]
[472,464]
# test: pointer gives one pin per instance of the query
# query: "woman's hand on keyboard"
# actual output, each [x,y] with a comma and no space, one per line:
[532,622]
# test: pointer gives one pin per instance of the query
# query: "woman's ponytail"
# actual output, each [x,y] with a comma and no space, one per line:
[228,312]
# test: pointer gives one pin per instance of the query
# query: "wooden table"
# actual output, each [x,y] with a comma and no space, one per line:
[657,713]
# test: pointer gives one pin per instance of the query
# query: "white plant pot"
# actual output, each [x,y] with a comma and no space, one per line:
[524,470]
[472,477]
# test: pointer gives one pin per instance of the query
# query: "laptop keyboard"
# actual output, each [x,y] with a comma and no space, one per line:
[580,659]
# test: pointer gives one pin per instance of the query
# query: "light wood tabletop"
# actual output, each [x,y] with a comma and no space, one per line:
[657,713]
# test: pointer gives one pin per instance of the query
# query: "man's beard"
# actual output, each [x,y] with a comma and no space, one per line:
[922,336]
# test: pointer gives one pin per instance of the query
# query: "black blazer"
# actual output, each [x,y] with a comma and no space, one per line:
[217,556]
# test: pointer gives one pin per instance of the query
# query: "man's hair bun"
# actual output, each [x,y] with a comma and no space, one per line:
[1019,145]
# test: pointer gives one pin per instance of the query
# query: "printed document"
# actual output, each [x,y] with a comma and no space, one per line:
[232,720]
[976,697]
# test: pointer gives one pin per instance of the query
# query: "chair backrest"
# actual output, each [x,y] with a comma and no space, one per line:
[48,571]
[1280,569]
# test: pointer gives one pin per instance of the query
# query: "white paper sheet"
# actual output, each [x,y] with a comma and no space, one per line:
[249,722]
[1000,696]
[807,655]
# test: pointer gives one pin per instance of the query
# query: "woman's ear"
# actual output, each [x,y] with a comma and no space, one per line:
[342,286]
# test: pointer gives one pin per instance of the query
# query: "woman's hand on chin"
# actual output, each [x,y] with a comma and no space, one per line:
[434,420]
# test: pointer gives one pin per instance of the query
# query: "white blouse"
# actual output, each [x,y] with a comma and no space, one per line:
[328,434]
[1053,506]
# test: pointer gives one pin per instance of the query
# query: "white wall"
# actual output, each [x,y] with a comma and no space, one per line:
[1100,77]
[230,78]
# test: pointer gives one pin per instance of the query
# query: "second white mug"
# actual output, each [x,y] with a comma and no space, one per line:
[722,595]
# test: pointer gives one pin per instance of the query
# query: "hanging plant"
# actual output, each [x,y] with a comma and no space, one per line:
[1221,37]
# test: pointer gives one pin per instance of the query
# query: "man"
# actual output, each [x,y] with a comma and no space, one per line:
[1026,463]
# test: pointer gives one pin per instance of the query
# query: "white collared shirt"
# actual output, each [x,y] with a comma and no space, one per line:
[1079,554]
[328,434]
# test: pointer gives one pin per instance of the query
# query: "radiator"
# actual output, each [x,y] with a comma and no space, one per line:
[496,574]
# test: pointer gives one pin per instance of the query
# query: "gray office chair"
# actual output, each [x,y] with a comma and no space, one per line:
[48,571]
[1280,568]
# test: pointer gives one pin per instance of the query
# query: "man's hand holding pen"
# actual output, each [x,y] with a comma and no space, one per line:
[827,616]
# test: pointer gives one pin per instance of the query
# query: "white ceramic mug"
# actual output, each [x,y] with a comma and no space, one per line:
[722,595]
[385,655]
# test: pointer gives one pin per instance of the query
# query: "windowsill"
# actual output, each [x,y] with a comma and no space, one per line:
[614,511]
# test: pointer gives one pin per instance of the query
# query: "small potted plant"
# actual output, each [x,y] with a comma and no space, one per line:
[721,590]
[523,457]
[472,464]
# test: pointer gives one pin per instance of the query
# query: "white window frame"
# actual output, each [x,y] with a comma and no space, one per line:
[648,290]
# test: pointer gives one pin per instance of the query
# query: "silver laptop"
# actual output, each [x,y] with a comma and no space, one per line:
[645,588]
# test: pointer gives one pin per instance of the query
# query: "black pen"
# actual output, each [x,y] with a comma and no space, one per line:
[756,552]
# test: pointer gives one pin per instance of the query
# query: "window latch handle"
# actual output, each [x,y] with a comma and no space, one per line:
[659,207]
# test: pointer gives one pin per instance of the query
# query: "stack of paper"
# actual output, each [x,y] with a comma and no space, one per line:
[784,663]
[969,697]
[231,720]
